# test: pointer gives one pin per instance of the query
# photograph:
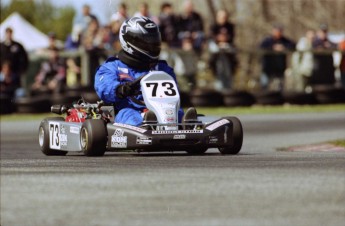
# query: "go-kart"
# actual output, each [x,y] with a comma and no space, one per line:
[90,128]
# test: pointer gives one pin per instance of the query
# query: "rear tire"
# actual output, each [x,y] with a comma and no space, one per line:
[93,137]
[237,138]
[329,94]
[35,104]
[238,98]
[6,104]
[269,98]
[206,98]
[43,137]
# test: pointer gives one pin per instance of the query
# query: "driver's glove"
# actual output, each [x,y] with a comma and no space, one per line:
[125,90]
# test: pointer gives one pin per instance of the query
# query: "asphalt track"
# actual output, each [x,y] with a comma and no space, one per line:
[259,186]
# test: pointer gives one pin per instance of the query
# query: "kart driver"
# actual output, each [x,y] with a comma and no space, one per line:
[141,44]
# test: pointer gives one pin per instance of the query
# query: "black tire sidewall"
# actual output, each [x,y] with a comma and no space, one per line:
[237,137]
[96,137]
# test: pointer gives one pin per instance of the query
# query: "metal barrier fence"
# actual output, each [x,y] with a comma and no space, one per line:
[191,68]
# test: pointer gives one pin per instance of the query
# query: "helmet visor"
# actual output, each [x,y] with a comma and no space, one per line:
[148,44]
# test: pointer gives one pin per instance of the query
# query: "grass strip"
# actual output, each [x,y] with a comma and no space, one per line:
[218,111]
[340,143]
[25,117]
[281,109]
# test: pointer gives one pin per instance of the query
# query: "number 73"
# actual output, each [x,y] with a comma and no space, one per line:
[169,88]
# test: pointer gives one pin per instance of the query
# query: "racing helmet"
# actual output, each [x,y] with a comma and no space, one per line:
[140,39]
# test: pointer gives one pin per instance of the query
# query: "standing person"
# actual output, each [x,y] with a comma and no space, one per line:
[93,43]
[274,61]
[92,37]
[15,54]
[9,81]
[121,14]
[141,45]
[342,63]
[302,62]
[321,41]
[53,45]
[84,18]
[191,27]
[223,31]
[116,21]
[167,23]
[144,11]
[73,40]
[223,59]
[52,74]
[72,43]
[323,71]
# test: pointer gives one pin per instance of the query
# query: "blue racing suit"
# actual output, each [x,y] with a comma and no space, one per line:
[114,73]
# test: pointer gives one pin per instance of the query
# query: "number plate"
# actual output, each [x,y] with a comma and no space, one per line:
[161,96]
[54,135]
[161,89]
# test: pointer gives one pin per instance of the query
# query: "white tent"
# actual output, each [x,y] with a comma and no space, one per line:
[23,32]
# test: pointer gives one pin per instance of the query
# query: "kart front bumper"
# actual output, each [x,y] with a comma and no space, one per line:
[214,135]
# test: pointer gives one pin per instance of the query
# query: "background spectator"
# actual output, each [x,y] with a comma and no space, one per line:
[51,76]
[323,71]
[167,25]
[15,54]
[116,21]
[92,37]
[274,61]
[73,40]
[9,81]
[53,45]
[223,31]
[93,43]
[72,43]
[191,28]
[302,62]
[222,60]
[321,41]
[84,18]
[144,11]
[121,14]
[342,63]
[73,72]
[105,34]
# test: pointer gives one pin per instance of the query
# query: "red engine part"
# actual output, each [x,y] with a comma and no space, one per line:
[75,115]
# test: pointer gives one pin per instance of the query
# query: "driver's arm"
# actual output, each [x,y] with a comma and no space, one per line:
[106,82]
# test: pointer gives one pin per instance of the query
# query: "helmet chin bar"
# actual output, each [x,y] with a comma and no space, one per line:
[133,62]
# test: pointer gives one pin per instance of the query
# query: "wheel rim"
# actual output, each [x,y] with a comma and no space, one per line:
[41,136]
[84,138]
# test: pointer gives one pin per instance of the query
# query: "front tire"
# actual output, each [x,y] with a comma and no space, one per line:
[43,137]
[237,138]
[93,137]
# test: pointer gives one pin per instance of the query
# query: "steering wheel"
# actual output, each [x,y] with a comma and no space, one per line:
[136,85]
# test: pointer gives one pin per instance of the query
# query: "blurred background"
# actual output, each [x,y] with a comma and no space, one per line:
[224,52]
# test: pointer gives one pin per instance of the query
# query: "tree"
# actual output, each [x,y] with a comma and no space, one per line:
[43,15]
